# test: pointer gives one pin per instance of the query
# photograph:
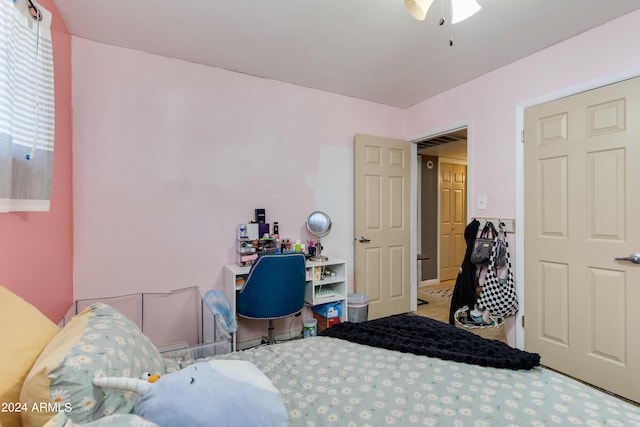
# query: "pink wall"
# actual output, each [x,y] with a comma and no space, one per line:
[169,156]
[36,248]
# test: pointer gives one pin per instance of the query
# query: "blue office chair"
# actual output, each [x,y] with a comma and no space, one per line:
[274,289]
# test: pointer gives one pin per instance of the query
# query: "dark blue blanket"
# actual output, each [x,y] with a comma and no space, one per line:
[424,336]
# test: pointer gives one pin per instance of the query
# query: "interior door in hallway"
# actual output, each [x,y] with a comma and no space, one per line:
[382,223]
[453,218]
[582,210]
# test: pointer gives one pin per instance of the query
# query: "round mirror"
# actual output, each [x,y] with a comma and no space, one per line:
[319,225]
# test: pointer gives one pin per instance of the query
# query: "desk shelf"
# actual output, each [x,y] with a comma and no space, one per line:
[326,282]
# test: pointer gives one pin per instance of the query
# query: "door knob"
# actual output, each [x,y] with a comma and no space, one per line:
[634,258]
[363,239]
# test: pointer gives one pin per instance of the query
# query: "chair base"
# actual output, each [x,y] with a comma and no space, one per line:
[271,336]
[271,339]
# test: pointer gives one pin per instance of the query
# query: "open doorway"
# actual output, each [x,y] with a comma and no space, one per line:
[442,217]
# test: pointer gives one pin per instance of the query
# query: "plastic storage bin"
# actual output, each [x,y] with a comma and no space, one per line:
[329,310]
[357,308]
[188,355]
[179,323]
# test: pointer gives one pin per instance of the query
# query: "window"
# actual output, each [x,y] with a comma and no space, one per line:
[27,113]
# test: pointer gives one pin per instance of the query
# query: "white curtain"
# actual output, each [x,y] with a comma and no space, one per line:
[27,113]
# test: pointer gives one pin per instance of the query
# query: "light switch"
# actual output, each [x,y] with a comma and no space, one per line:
[482,202]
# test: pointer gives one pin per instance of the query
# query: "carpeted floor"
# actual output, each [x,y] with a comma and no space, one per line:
[439,300]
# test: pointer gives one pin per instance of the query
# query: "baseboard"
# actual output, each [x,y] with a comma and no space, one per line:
[429,282]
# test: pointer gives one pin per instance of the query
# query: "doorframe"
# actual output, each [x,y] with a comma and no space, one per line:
[520,208]
[413,139]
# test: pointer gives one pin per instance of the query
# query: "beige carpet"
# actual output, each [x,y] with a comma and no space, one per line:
[439,300]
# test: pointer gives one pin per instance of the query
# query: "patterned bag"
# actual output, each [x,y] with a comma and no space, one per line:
[499,295]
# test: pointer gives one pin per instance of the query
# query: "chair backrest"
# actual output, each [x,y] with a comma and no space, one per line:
[274,288]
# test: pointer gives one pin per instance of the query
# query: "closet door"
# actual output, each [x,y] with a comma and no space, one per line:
[582,208]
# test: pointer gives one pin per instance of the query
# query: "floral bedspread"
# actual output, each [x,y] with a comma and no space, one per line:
[328,381]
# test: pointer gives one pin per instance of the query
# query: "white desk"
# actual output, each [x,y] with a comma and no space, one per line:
[326,282]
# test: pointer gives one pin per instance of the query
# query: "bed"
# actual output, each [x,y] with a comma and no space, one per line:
[328,380]
[403,370]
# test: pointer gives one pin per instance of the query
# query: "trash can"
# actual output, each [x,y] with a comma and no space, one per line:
[357,308]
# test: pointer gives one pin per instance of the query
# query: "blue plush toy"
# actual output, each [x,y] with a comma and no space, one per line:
[218,392]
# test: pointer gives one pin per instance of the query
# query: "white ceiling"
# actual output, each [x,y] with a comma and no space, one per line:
[367,49]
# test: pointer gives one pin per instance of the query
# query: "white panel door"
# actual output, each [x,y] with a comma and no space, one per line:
[582,210]
[382,226]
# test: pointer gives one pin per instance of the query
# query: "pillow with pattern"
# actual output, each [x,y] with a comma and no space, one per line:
[97,342]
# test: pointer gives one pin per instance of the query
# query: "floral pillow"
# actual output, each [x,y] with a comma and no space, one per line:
[98,342]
